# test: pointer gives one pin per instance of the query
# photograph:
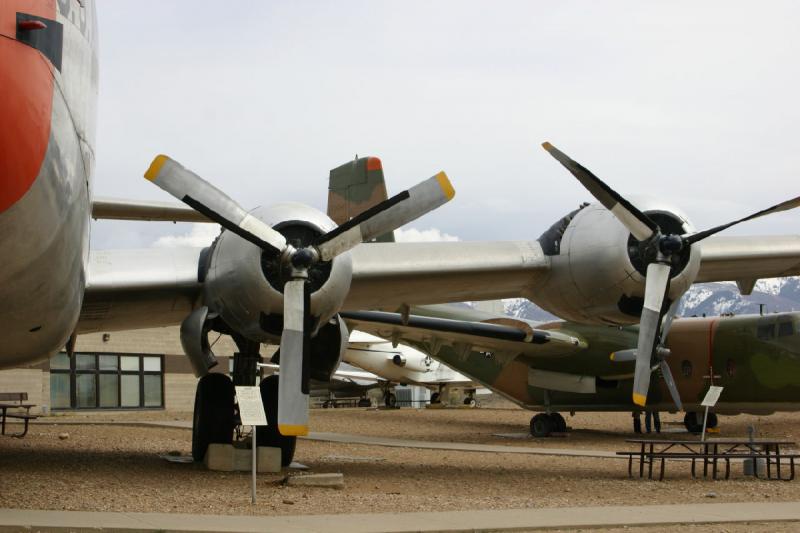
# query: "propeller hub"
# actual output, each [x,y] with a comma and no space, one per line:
[303,258]
[670,244]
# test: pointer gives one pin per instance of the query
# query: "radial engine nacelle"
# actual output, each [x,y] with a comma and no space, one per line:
[597,273]
[244,284]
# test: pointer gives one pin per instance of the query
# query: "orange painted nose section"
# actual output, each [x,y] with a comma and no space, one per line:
[26,101]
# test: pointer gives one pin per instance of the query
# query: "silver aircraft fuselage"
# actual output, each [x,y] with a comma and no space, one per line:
[48,75]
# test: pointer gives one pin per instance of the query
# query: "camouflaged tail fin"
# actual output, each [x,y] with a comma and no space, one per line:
[355,187]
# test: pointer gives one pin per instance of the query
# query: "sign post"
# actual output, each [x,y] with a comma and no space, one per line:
[251,411]
[711,399]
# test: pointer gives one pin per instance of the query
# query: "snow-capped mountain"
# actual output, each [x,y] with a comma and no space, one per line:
[776,295]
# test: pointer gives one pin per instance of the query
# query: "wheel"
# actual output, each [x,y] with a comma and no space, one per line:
[436,398]
[559,424]
[364,402]
[712,420]
[213,421]
[470,401]
[390,400]
[326,404]
[268,435]
[541,425]
[693,423]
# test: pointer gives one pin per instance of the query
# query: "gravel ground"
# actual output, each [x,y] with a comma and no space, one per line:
[117,468]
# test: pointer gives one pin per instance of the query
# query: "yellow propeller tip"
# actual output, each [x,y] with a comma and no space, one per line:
[612,355]
[547,146]
[288,430]
[639,399]
[447,187]
[155,167]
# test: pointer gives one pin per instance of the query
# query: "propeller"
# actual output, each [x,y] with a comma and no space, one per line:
[387,216]
[658,250]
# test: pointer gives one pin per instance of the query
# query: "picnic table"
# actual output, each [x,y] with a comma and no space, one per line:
[17,405]
[710,452]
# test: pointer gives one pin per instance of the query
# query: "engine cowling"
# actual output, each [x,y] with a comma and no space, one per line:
[597,271]
[244,285]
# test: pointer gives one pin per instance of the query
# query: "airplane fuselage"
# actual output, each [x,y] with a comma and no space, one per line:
[755,358]
[48,71]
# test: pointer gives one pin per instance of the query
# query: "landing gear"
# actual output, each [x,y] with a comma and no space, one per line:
[694,422]
[543,424]
[560,425]
[268,435]
[214,418]
[390,400]
[436,398]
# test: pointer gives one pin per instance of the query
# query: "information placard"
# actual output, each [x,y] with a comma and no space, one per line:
[251,409]
[712,396]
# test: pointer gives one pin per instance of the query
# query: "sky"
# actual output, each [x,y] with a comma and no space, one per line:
[694,103]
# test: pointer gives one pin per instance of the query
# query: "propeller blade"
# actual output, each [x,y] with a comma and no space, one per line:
[668,319]
[197,193]
[293,377]
[656,287]
[387,216]
[784,206]
[670,381]
[640,225]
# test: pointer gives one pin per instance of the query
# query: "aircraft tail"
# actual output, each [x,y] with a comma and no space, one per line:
[355,187]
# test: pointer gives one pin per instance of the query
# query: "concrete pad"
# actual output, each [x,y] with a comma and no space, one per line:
[330,481]
[227,458]
[450,521]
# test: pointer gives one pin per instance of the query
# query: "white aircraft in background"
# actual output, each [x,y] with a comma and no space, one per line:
[405,365]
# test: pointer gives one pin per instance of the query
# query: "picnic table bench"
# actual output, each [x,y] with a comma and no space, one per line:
[16,401]
[711,452]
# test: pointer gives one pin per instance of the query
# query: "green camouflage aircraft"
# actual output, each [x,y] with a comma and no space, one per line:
[570,367]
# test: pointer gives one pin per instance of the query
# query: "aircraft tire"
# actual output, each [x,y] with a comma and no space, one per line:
[436,398]
[364,402]
[541,425]
[712,421]
[268,435]
[213,419]
[470,402]
[692,423]
[390,400]
[559,424]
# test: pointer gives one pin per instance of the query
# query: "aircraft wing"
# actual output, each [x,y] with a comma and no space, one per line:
[119,209]
[469,336]
[749,258]
[133,289]
[388,275]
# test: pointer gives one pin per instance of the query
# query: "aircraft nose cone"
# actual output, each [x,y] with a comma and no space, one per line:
[25,107]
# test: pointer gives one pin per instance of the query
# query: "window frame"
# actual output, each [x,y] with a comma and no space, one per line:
[74,372]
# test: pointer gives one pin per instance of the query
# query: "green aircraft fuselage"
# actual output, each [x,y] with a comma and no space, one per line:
[756,358]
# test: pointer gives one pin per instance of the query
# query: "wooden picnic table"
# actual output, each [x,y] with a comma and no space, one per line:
[711,451]
[26,416]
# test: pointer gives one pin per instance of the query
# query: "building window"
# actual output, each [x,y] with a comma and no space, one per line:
[106,381]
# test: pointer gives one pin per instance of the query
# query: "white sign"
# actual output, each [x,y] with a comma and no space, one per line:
[251,409]
[712,396]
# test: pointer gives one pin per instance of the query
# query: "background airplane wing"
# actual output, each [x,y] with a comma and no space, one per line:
[429,333]
[749,258]
[133,289]
[388,275]
[119,209]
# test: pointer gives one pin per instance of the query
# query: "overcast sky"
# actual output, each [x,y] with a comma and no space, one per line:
[693,102]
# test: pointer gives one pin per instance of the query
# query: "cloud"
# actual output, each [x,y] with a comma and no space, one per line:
[200,235]
[426,235]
